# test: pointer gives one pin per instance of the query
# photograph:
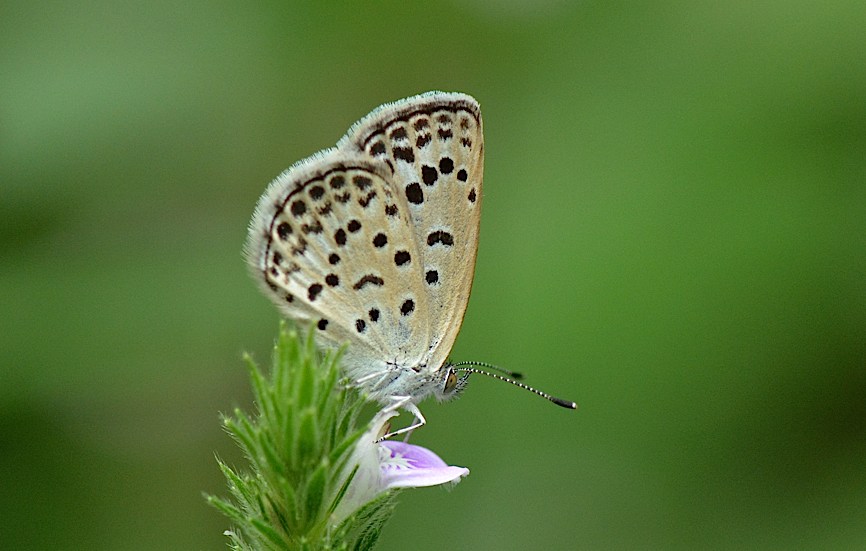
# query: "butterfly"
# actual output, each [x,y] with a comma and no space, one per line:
[372,243]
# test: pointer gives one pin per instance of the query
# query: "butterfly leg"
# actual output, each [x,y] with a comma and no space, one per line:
[369,377]
[419,418]
[405,403]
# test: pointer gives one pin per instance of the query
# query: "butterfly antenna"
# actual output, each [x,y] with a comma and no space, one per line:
[485,365]
[558,401]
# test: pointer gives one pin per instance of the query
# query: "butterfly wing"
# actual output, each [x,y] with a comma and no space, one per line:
[433,148]
[331,244]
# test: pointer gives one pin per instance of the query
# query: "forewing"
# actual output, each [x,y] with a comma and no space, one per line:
[433,148]
[332,245]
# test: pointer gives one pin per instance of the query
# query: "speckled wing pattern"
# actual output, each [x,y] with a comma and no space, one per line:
[373,242]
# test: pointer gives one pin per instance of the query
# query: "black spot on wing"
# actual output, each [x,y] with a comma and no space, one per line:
[429,175]
[422,140]
[316,192]
[284,230]
[362,182]
[313,291]
[404,154]
[414,193]
[315,227]
[402,257]
[377,149]
[446,165]
[440,236]
[366,280]
[365,201]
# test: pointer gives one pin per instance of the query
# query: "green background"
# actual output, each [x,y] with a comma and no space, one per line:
[674,236]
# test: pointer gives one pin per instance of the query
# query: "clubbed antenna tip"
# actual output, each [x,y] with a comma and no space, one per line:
[564,403]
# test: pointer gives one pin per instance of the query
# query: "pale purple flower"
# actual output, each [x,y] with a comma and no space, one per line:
[405,465]
[389,464]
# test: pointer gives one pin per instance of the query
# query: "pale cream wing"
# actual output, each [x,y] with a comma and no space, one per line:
[332,244]
[433,145]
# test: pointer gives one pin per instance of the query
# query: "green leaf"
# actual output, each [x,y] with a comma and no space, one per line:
[264,529]
[316,487]
[272,456]
[226,508]
[292,513]
[308,437]
[298,446]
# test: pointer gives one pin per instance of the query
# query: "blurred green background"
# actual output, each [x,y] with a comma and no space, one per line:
[674,236]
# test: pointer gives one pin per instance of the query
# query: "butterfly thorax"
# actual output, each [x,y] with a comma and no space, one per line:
[393,379]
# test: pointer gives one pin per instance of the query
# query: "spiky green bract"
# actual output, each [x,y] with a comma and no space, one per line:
[299,444]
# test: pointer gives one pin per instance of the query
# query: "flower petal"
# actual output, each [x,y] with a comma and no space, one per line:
[367,483]
[382,466]
[411,466]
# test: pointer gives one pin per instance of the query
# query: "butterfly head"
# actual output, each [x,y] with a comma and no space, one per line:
[451,384]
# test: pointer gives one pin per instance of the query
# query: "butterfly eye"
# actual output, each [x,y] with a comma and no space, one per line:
[450,381]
